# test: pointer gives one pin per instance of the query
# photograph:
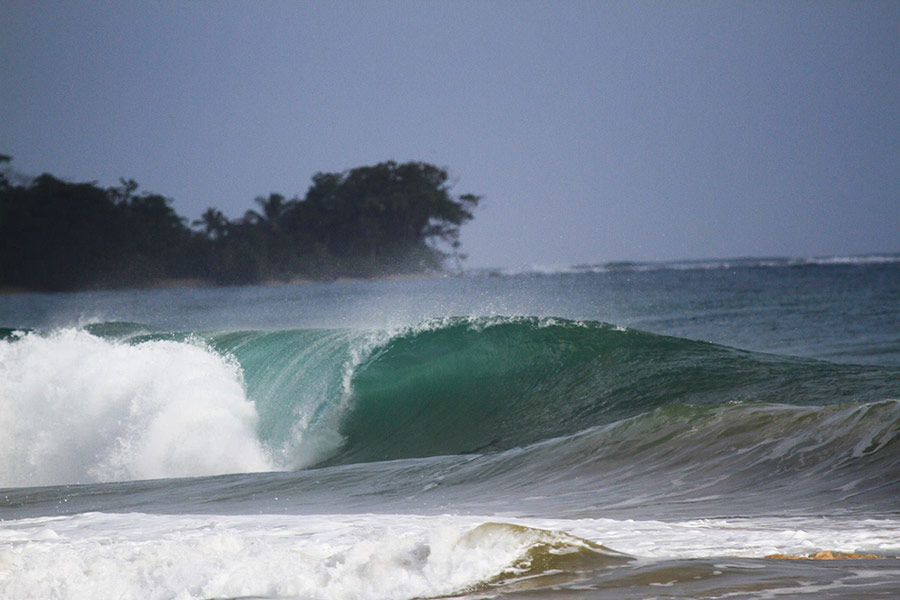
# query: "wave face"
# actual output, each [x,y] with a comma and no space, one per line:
[473,385]
[118,401]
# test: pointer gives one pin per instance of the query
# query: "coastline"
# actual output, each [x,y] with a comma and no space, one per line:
[198,282]
[711,264]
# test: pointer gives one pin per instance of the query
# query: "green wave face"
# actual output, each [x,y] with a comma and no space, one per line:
[459,385]
[474,385]
[574,403]
[299,381]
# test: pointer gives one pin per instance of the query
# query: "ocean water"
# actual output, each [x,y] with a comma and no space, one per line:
[600,431]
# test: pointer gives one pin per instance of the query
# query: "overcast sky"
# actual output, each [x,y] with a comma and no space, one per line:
[596,131]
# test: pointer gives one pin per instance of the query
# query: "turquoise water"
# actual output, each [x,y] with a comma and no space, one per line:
[621,431]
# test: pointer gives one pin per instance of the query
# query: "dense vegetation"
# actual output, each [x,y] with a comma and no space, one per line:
[369,221]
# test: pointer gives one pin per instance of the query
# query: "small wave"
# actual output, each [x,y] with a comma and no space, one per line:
[316,557]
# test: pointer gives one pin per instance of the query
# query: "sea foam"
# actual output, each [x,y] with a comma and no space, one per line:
[93,556]
[77,408]
[326,557]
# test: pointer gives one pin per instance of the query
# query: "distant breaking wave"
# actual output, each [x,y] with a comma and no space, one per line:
[120,401]
[689,265]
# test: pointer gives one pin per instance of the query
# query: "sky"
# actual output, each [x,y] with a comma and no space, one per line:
[595,131]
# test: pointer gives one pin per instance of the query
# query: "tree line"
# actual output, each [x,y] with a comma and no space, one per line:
[369,221]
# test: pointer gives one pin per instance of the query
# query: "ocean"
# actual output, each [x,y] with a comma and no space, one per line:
[628,430]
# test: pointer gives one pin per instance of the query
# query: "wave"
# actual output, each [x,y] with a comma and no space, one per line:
[700,264]
[317,557]
[118,401]
[475,385]
[743,458]
[78,408]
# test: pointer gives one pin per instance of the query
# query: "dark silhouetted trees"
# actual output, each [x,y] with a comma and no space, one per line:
[369,221]
[384,218]
[58,235]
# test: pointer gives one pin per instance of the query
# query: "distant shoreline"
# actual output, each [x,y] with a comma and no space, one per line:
[198,283]
[708,264]
[366,222]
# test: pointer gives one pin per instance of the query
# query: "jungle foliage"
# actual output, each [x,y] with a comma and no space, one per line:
[370,221]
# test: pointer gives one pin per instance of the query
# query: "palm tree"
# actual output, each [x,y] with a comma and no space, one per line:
[273,209]
[214,223]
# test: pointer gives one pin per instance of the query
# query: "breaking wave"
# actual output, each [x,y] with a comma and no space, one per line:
[117,401]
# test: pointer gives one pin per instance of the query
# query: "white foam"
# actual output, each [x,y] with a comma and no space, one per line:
[95,556]
[75,408]
[748,538]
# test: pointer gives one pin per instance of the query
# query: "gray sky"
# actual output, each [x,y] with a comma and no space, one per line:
[595,130]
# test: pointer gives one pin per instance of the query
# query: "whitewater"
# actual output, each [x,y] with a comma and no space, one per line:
[636,430]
